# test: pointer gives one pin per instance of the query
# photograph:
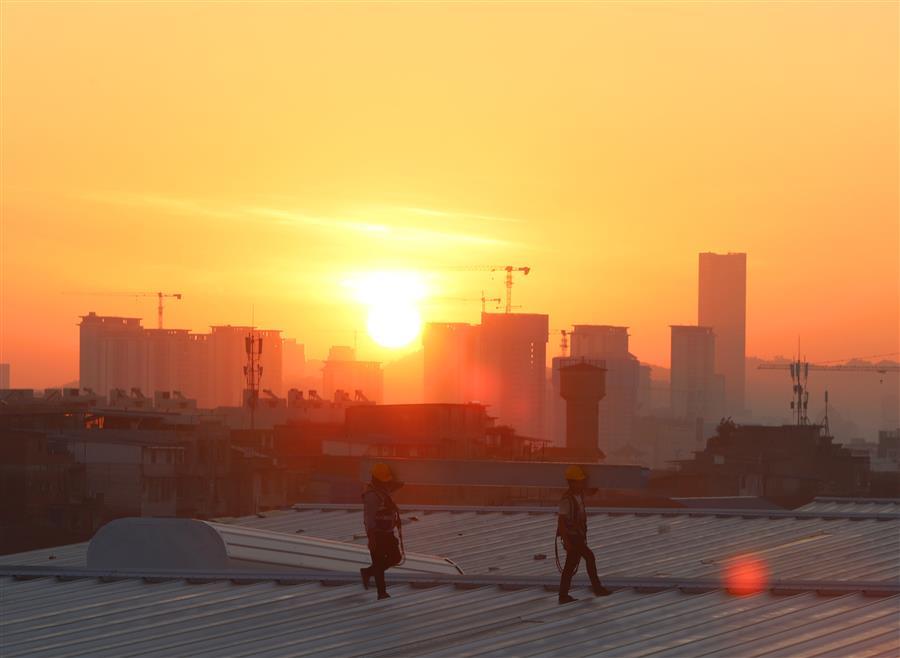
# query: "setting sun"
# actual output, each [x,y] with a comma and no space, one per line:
[393,318]
[394,326]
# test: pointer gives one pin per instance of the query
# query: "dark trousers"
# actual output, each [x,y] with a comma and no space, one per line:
[574,552]
[385,552]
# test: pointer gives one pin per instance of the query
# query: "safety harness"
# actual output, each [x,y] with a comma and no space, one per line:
[387,517]
[578,519]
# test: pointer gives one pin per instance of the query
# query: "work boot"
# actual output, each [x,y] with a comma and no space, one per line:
[565,598]
[383,595]
[600,590]
[366,576]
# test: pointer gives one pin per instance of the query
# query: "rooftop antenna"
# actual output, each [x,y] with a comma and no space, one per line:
[800,379]
[253,346]
[827,427]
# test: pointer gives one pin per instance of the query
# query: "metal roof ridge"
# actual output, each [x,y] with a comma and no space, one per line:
[860,500]
[643,584]
[619,511]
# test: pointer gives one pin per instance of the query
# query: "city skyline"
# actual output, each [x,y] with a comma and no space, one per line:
[288,185]
[367,345]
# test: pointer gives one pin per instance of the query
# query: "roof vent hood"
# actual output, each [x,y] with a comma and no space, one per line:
[135,544]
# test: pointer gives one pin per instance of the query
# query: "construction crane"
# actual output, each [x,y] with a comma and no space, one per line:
[800,377]
[564,342]
[160,296]
[509,269]
[484,300]
[159,304]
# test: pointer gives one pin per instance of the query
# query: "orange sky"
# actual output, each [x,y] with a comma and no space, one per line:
[254,156]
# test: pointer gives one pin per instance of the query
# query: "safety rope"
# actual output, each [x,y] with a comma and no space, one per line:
[556,543]
[399,522]
[556,551]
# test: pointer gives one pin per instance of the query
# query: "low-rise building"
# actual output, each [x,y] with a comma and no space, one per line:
[772,461]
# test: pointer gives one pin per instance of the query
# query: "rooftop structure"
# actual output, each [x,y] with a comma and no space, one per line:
[582,386]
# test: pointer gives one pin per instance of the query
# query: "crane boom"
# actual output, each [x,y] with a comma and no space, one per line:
[836,368]
[509,269]
[159,300]
[800,377]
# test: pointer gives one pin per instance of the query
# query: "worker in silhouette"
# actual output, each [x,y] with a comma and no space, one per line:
[572,529]
[381,517]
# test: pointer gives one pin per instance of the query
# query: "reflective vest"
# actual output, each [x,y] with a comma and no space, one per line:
[578,518]
[387,516]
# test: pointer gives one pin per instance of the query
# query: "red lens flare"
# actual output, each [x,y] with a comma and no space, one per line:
[746,574]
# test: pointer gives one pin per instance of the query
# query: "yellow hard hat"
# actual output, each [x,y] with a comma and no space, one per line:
[382,472]
[575,472]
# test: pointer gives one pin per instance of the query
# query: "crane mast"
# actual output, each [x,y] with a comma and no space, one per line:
[508,269]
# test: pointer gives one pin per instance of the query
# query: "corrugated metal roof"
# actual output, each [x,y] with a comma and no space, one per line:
[70,555]
[880,506]
[633,543]
[48,617]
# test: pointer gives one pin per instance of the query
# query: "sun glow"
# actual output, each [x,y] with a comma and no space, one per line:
[391,297]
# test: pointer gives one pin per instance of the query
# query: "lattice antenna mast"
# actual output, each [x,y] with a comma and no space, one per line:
[253,346]
[800,379]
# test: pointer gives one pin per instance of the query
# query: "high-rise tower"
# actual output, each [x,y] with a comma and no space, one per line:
[723,306]
[695,387]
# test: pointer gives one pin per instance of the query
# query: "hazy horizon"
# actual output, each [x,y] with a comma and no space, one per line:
[256,158]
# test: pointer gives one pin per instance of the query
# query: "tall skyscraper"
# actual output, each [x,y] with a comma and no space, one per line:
[696,390]
[4,375]
[723,306]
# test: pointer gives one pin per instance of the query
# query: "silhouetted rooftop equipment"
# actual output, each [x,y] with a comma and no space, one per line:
[582,386]
[800,377]
[184,544]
